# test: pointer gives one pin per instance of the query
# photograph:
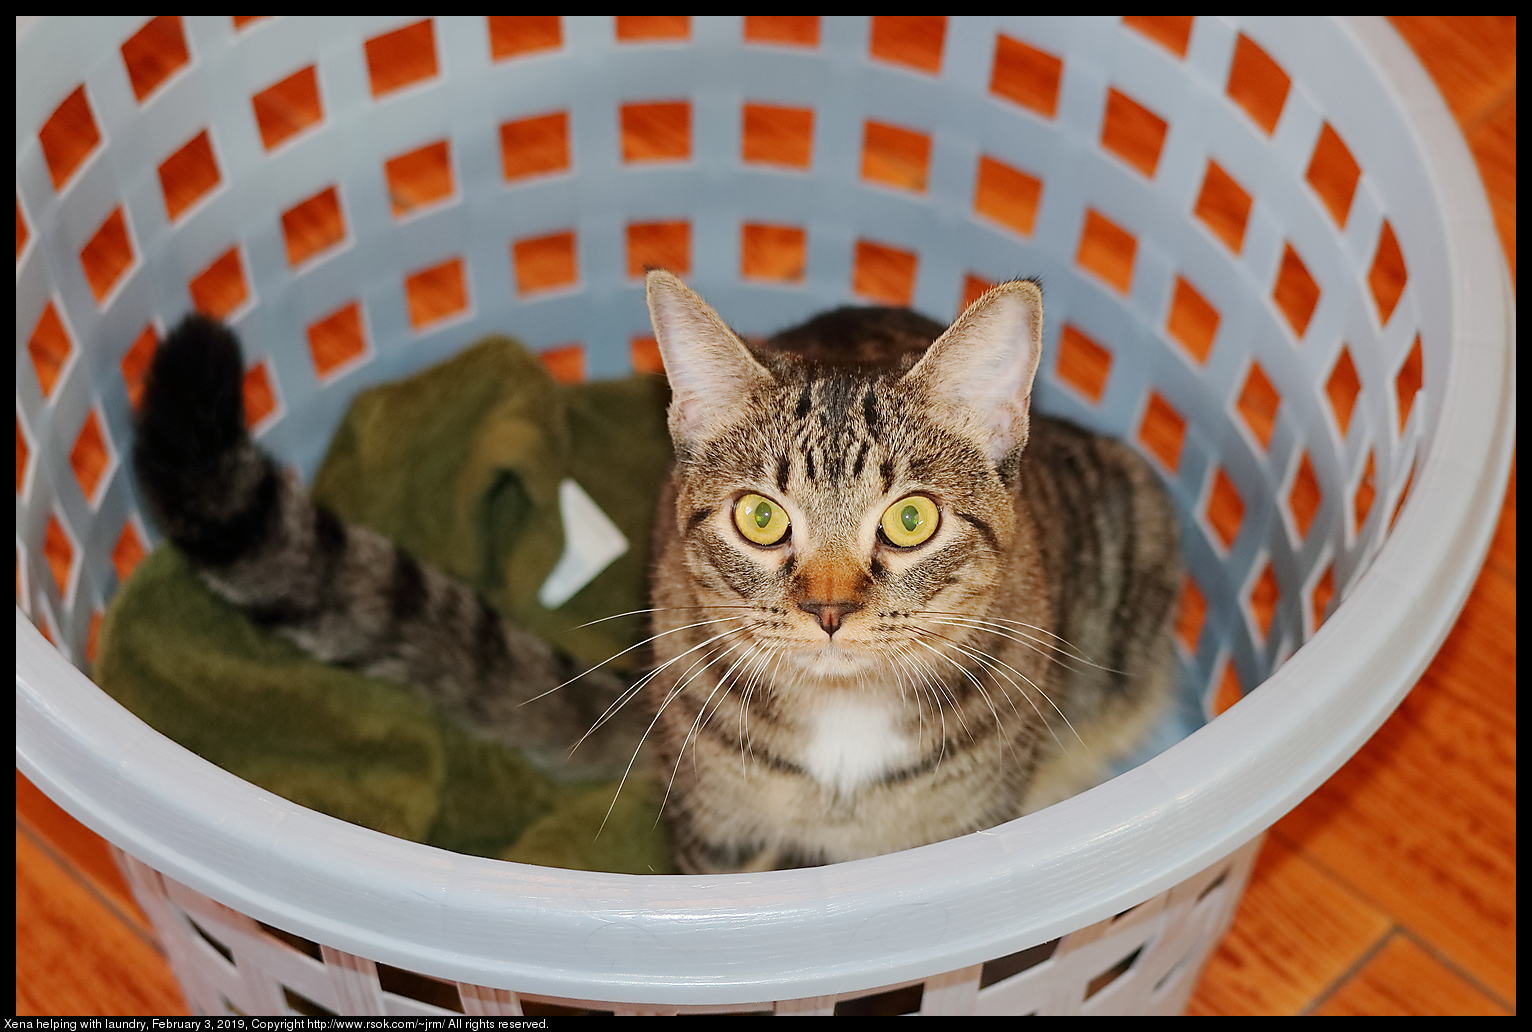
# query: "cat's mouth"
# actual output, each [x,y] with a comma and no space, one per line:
[836,657]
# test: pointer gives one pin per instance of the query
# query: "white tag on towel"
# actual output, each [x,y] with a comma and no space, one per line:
[591,543]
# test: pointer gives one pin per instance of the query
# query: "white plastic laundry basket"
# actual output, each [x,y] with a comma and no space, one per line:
[1267,260]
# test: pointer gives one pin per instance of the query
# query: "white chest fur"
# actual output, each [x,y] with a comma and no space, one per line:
[853,741]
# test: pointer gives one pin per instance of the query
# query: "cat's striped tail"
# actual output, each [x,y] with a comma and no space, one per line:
[343,593]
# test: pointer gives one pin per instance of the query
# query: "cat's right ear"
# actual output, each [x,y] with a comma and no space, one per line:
[710,369]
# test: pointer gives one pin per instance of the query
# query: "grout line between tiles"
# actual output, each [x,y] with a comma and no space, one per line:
[135,926]
[1396,927]
[1355,968]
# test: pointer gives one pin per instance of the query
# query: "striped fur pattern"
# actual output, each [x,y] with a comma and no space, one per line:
[341,592]
[985,672]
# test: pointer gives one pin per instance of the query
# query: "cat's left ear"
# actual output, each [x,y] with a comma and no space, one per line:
[981,370]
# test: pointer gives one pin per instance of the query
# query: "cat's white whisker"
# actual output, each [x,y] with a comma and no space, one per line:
[1001,740]
[697,723]
[638,686]
[1072,651]
[654,609]
[624,652]
[769,655]
[658,712]
[923,668]
[989,662]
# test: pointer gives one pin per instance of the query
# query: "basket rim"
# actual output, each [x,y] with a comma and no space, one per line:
[678,939]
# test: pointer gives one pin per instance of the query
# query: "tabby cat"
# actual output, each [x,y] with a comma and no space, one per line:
[890,605]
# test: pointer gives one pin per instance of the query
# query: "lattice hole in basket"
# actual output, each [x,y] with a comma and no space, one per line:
[1388,275]
[1007,195]
[644,354]
[221,288]
[1171,31]
[1191,614]
[884,273]
[337,340]
[286,108]
[1258,404]
[774,135]
[1111,974]
[1012,964]
[1162,431]
[1408,381]
[973,289]
[1404,493]
[1083,364]
[59,552]
[1263,598]
[648,28]
[1192,322]
[1257,84]
[135,364]
[773,253]
[68,137]
[208,938]
[895,1001]
[545,263]
[1026,75]
[783,30]
[188,175]
[1342,389]
[1107,250]
[23,455]
[154,53]
[539,1008]
[107,255]
[93,637]
[1225,509]
[1228,691]
[301,1004]
[1333,173]
[912,41]
[1223,206]
[659,245]
[305,946]
[90,458]
[437,292]
[401,58]
[1321,596]
[1366,492]
[313,226]
[517,35]
[50,349]
[1305,496]
[565,363]
[535,146]
[260,396]
[128,552]
[656,131]
[1133,132]
[418,178]
[1296,293]
[22,236]
[424,988]
[895,157]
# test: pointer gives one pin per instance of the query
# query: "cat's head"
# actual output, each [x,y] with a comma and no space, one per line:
[840,506]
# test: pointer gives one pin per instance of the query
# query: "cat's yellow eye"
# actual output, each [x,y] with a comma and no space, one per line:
[760,519]
[910,521]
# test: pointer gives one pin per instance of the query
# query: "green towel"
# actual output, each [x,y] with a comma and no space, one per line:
[461,464]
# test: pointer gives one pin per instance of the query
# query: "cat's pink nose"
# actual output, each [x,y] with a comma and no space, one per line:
[829,614]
